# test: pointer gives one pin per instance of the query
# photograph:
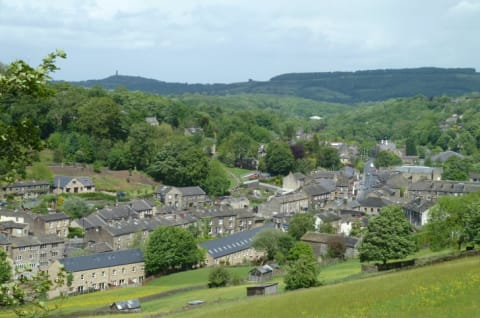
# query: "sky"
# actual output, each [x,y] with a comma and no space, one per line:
[225,41]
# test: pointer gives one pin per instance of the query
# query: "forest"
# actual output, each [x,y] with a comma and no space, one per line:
[339,87]
[108,128]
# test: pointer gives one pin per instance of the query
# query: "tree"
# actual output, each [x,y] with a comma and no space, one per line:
[279,158]
[300,224]
[5,268]
[219,276]
[217,182]
[328,158]
[471,221]
[20,137]
[301,274]
[76,207]
[336,247]
[389,236]
[456,168]
[410,147]
[269,241]
[387,159]
[300,249]
[169,249]
[26,296]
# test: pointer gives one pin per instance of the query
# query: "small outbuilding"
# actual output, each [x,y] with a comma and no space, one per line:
[132,305]
[260,274]
[262,290]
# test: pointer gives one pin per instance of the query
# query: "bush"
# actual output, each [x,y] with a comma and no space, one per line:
[218,277]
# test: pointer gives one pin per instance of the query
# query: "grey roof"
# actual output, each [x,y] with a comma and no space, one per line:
[415,169]
[374,202]
[325,238]
[117,213]
[316,189]
[151,120]
[102,260]
[186,191]
[142,205]
[53,217]
[24,241]
[127,304]
[233,243]
[444,156]
[62,181]
[12,225]
[27,184]
[419,205]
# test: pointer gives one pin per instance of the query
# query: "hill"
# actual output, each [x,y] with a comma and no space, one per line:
[342,87]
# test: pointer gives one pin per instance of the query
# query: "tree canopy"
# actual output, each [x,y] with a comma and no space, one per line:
[300,224]
[389,236]
[170,249]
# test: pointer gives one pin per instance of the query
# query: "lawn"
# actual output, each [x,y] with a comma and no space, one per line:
[449,289]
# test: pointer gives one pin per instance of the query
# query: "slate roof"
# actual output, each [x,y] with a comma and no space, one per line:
[142,205]
[324,238]
[415,169]
[374,202]
[444,156]
[419,205]
[62,181]
[31,183]
[102,260]
[12,225]
[187,191]
[233,243]
[127,305]
[24,241]
[53,217]
[316,189]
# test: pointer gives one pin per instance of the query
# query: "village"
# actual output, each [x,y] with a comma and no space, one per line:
[108,253]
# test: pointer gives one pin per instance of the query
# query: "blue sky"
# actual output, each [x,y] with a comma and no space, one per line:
[224,41]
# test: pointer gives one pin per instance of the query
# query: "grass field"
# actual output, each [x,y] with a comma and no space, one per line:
[445,290]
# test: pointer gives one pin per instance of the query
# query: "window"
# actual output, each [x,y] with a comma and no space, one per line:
[93,275]
[18,257]
[134,269]
[22,249]
[114,272]
[103,273]
[123,270]
[82,277]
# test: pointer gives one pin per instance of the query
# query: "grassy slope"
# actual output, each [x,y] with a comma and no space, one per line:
[444,290]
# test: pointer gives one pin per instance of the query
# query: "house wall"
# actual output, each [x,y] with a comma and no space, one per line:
[101,278]
[238,258]
[57,227]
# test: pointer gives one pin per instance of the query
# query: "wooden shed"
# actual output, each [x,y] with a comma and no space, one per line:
[262,290]
[260,274]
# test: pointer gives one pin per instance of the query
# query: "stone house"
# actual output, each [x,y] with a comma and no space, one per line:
[293,181]
[372,205]
[101,271]
[185,197]
[320,242]
[234,249]
[52,223]
[431,190]
[65,184]
[417,211]
[26,189]
[33,252]
[289,203]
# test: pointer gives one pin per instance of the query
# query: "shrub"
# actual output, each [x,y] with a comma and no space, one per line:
[219,276]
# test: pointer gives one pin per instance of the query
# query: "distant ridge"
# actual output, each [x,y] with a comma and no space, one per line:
[343,87]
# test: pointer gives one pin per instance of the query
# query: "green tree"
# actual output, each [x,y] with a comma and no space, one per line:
[387,159]
[101,118]
[336,247]
[170,249]
[410,147]
[219,276]
[302,273]
[300,224]
[279,159]
[389,236]
[76,207]
[26,296]
[328,158]
[217,182]
[300,249]
[268,240]
[456,168]
[5,268]
[180,163]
